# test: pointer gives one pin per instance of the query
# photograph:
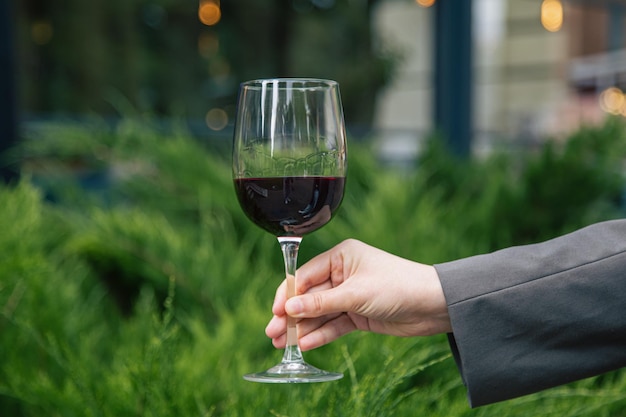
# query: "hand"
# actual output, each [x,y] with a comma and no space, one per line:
[354,286]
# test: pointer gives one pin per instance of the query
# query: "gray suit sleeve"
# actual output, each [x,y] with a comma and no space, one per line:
[533,317]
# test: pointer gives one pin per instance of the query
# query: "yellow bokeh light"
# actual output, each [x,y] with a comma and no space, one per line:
[209,12]
[216,119]
[425,3]
[552,15]
[612,100]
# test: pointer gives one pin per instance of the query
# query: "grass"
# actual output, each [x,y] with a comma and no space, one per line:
[149,297]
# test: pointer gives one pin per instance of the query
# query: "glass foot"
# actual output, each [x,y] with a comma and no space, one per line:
[293,373]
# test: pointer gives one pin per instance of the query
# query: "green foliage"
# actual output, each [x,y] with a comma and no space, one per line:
[149,296]
[524,198]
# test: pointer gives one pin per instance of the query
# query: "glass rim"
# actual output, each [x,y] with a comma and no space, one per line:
[304,83]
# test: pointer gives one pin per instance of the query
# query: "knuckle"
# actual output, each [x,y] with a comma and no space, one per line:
[318,303]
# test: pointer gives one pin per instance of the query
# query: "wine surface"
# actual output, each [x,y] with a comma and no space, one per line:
[290,206]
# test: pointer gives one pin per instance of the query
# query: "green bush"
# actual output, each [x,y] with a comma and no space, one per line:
[148,295]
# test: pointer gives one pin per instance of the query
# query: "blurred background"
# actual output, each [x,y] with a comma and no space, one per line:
[518,70]
[131,282]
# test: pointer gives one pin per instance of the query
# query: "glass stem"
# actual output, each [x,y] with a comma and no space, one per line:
[290,246]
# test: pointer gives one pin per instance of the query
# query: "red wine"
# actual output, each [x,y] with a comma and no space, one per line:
[290,206]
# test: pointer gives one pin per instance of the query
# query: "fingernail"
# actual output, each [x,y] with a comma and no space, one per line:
[294,307]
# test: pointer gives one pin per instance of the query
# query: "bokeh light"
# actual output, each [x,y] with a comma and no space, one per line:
[612,101]
[209,12]
[552,15]
[216,119]
[425,3]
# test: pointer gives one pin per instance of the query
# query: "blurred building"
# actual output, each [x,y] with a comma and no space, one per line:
[542,68]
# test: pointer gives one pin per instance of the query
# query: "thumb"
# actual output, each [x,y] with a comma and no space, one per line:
[316,304]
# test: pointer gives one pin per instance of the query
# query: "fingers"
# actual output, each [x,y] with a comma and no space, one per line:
[312,333]
[324,271]
[316,271]
[328,332]
[278,308]
[276,327]
[316,330]
[320,303]
[280,342]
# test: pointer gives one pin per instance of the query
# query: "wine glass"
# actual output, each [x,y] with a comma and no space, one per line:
[289,170]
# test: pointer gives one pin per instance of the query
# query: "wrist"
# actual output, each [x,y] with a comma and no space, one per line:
[437,304]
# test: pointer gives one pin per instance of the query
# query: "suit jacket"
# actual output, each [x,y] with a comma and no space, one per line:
[532,317]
